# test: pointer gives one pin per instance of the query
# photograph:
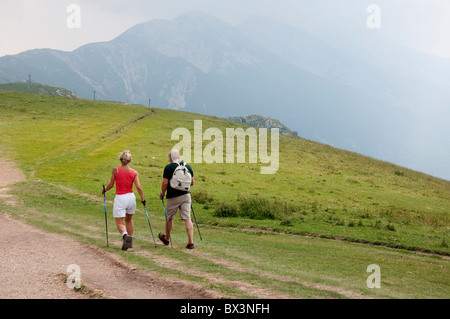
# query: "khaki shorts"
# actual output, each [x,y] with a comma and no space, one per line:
[183,203]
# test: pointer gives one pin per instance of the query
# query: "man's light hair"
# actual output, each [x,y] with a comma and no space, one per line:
[174,155]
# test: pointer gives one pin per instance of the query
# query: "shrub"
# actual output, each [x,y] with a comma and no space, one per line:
[226,210]
[256,208]
[287,222]
[390,227]
[202,197]
[365,215]
[377,224]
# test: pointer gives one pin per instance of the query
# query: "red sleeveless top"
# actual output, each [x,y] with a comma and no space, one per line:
[124,181]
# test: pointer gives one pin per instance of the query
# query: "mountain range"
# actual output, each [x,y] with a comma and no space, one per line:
[360,92]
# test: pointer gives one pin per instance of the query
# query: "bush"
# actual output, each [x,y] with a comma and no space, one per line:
[287,222]
[202,197]
[377,224]
[390,227]
[226,210]
[256,208]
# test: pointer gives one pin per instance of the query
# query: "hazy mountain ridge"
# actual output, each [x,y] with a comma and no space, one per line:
[37,88]
[209,44]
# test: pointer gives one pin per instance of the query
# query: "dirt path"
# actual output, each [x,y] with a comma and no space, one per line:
[9,174]
[34,264]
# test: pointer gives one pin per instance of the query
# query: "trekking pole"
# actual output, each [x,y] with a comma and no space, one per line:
[145,206]
[106,217]
[195,218]
[167,223]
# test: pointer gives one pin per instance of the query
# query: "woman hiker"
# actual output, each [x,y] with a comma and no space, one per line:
[125,201]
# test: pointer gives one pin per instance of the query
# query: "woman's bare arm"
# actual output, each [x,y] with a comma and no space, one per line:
[139,187]
[111,182]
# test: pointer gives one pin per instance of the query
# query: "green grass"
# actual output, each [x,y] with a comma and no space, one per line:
[36,88]
[68,147]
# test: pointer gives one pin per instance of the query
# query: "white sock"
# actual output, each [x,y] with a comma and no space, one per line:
[124,233]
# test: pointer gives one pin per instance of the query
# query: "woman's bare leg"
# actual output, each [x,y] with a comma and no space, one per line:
[129,224]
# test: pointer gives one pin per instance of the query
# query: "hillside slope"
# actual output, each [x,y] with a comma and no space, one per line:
[317,189]
[37,88]
[249,222]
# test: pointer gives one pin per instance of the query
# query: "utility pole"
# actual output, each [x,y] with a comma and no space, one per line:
[149,102]
[29,77]
[94,95]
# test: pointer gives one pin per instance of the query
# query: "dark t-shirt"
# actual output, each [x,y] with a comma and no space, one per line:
[168,173]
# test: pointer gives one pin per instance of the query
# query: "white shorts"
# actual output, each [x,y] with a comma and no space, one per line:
[124,204]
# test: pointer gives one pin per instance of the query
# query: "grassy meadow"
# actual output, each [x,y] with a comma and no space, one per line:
[308,231]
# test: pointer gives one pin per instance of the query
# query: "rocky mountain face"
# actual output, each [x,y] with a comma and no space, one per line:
[261,121]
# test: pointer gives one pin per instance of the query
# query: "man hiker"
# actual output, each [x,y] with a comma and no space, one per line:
[125,201]
[178,196]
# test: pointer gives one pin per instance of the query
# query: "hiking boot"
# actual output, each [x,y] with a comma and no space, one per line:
[190,246]
[162,237]
[127,243]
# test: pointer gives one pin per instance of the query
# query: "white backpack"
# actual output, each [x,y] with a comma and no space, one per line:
[181,178]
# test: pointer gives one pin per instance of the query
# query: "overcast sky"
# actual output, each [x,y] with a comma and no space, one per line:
[30,24]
